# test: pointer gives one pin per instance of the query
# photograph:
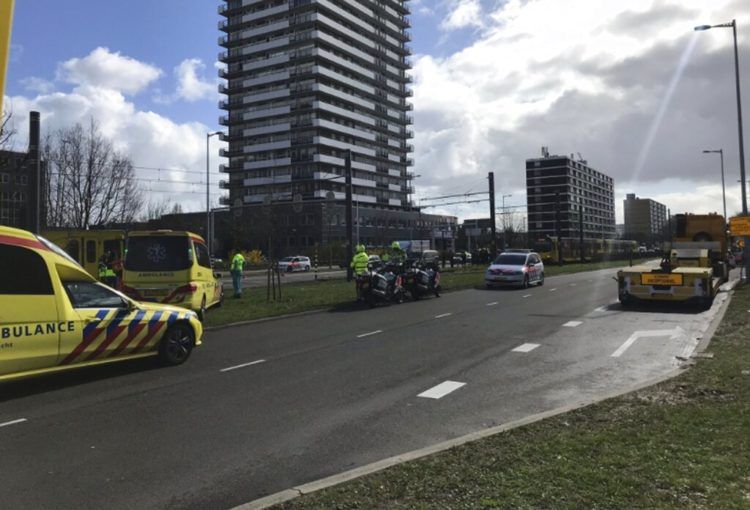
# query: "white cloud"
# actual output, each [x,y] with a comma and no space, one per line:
[462,14]
[582,75]
[151,139]
[102,68]
[192,87]
[39,85]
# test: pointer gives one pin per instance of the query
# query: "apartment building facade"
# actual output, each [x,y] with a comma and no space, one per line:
[310,83]
[645,219]
[559,189]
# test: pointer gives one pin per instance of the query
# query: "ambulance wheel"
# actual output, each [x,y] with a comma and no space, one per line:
[176,345]
[202,310]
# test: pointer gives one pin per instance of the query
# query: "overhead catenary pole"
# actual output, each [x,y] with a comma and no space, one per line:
[493,245]
[349,230]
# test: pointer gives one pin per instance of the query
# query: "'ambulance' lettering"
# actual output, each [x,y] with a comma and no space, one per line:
[29,330]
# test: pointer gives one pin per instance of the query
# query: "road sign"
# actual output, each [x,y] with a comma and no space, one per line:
[237,207]
[739,226]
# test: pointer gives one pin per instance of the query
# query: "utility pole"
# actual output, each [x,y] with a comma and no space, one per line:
[580,232]
[557,228]
[349,230]
[493,247]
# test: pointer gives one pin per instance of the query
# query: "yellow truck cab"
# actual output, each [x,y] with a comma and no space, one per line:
[55,316]
[171,267]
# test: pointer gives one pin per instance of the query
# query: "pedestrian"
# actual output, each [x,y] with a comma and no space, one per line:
[359,264]
[238,263]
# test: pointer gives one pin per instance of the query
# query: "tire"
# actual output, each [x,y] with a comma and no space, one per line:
[525,284]
[541,280]
[177,344]
[202,310]
[307,268]
[289,269]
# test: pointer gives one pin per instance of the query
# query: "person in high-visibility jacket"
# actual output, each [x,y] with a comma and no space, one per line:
[238,264]
[360,260]
[359,264]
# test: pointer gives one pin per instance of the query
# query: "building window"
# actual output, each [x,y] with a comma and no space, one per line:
[4,178]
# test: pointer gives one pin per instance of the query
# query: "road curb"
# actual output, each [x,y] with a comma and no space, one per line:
[310,487]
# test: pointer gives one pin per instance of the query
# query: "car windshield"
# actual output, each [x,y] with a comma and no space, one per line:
[158,253]
[510,259]
[287,259]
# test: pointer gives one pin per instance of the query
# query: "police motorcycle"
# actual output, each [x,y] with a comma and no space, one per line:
[422,279]
[382,283]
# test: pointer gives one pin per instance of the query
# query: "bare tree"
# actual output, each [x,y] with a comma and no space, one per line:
[7,129]
[89,183]
[156,209]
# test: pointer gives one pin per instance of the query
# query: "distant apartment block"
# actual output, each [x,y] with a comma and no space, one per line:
[559,189]
[644,218]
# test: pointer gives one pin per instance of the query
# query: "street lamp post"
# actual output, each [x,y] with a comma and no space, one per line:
[504,225]
[209,236]
[723,188]
[733,25]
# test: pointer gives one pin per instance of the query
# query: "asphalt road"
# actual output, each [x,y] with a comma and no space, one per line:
[323,393]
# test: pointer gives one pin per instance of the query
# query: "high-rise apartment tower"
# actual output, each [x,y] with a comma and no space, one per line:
[308,81]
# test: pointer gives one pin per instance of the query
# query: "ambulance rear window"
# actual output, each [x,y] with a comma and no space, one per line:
[158,253]
[26,273]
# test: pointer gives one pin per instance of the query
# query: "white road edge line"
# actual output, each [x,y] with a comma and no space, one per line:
[443,315]
[441,389]
[370,333]
[243,365]
[525,348]
[492,304]
[572,324]
[527,295]
[13,422]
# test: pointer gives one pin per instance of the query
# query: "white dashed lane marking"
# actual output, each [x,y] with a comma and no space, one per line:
[573,284]
[441,389]
[572,324]
[370,333]
[243,365]
[527,295]
[492,304]
[553,290]
[13,422]
[525,348]
[443,315]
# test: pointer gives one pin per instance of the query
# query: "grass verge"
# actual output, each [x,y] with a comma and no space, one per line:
[684,443]
[306,296]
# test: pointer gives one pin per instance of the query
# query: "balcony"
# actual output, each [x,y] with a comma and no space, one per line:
[223,184]
[222,56]
[223,73]
[223,104]
[223,88]
[405,161]
[408,133]
[223,24]
[407,189]
[222,8]
[223,39]
[408,107]
[223,137]
[224,120]
[407,147]
[224,200]
[409,93]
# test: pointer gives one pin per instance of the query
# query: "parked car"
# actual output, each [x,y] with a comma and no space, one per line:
[296,263]
[518,269]
[462,257]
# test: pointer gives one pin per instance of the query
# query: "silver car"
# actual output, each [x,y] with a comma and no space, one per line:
[517,269]
[298,263]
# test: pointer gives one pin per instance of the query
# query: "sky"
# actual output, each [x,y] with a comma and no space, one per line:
[628,85]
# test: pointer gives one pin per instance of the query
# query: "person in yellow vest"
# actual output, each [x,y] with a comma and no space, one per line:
[359,265]
[238,264]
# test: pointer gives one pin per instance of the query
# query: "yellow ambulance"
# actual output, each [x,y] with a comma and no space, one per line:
[55,316]
[172,267]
